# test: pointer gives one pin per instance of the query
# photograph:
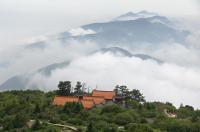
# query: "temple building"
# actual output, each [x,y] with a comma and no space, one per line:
[97,98]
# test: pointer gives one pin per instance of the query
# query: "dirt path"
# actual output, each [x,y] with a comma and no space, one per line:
[61,125]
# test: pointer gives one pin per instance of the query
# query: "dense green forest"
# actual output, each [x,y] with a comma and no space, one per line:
[19,109]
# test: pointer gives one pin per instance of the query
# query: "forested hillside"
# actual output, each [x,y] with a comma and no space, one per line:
[24,111]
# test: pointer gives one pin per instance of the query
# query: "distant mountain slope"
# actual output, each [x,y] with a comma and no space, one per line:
[115,51]
[15,83]
[130,29]
[48,69]
[36,45]
[133,32]
[21,81]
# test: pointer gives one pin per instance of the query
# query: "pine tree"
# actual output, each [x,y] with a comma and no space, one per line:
[77,90]
[64,88]
[124,91]
[117,90]
[136,95]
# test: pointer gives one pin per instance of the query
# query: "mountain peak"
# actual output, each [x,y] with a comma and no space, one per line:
[143,11]
[123,52]
[116,51]
[129,13]
[134,16]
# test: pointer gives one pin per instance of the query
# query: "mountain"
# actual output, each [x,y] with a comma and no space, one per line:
[37,45]
[15,83]
[149,16]
[21,82]
[115,51]
[160,19]
[47,70]
[130,29]
[133,32]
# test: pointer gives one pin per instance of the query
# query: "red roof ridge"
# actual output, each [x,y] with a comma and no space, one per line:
[109,95]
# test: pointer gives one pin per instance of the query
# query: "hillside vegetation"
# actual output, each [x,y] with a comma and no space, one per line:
[18,108]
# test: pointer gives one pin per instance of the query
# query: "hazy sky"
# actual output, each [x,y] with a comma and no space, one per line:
[23,19]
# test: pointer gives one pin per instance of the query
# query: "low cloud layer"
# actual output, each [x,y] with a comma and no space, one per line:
[161,82]
[21,60]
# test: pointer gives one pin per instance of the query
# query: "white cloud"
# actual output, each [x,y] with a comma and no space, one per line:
[179,54]
[81,31]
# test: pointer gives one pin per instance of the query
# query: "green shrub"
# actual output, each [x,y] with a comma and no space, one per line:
[111,109]
[72,107]
[139,128]
[123,119]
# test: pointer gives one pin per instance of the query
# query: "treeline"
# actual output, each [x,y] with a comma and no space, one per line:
[126,94]
[18,108]
[65,88]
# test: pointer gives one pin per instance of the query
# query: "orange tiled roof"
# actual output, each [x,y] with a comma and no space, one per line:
[61,100]
[106,94]
[87,103]
[97,100]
